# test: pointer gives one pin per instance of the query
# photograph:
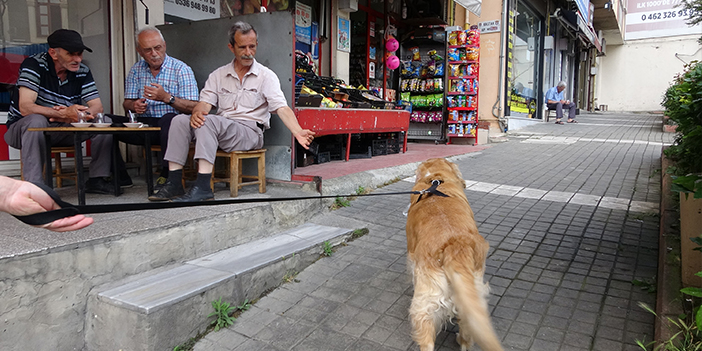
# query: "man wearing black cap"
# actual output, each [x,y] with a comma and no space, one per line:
[51,91]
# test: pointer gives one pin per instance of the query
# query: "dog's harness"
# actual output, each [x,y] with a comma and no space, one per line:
[432,190]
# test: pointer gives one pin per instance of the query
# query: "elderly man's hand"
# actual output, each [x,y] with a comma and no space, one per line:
[156,92]
[305,137]
[140,106]
[71,113]
[197,119]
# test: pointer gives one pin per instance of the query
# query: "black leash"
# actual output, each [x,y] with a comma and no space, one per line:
[68,209]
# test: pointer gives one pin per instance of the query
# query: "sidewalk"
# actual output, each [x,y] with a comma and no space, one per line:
[571,214]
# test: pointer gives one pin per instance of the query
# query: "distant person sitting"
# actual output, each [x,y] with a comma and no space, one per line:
[555,101]
[157,89]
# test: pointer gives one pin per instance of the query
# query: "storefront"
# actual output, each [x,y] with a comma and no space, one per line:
[548,43]
[343,39]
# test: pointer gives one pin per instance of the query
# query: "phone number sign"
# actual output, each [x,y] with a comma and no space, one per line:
[192,9]
[657,18]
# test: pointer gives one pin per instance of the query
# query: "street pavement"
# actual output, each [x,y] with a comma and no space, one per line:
[571,215]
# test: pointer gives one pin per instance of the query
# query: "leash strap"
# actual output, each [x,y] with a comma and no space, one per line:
[41,218]
[68,209]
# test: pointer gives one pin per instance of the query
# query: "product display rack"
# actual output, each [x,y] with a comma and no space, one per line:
[427,94]
[463,62]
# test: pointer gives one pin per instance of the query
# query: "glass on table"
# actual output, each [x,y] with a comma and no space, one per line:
[132,117]
[99,118]
[81,117]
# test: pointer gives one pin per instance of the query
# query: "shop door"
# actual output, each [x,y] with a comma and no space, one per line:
[367,67]
[525,80]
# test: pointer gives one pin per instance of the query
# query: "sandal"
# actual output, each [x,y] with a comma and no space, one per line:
[572,121]
[559,122]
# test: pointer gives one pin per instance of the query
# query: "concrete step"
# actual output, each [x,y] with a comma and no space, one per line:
[161,309]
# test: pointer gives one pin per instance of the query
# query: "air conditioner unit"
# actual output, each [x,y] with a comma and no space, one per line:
[348,5]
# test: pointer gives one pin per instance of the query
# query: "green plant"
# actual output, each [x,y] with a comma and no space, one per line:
[687,337]
[340,202]
[290,276]
[358,233]
[683,104]
[244,305]
[221,314]
[361,190]
[648,285]
[327,249]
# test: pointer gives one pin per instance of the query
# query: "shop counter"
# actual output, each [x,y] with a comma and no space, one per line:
[329,121]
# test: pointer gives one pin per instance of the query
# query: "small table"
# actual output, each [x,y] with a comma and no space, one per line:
[77,141]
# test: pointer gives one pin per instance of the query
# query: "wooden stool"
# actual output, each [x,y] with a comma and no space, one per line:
[58,173]
[548,113]
[234,176]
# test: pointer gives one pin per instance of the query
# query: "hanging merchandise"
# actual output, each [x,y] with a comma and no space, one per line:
[392,62]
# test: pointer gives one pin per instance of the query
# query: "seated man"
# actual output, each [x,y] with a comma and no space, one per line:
[554,101]
[50,92]
[245,93]
[157,88]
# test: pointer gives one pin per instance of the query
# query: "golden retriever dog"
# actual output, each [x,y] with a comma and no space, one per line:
[447,258]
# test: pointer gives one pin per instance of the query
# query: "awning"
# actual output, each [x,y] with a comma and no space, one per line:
[574,22]
[471,5]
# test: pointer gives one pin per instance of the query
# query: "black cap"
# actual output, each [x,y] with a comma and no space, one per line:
[67,39]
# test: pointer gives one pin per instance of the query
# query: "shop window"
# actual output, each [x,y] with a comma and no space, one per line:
[48,17]
[25,26]
[525,80]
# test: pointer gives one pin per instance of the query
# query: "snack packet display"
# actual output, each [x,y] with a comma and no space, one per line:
[453,55]
[461,37]
[415,53]
[472,54]
[453,38]
[438,84]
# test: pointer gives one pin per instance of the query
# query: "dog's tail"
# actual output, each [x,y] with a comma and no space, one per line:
[469,297]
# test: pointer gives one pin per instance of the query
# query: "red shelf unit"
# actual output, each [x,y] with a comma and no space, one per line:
[463,63]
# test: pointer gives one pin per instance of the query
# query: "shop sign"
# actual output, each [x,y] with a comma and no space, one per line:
[343,36]
[657,18]
[583,7]
[303,23]
[489,26]
[193,10]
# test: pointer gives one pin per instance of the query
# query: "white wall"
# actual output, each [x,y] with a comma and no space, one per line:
[635,75]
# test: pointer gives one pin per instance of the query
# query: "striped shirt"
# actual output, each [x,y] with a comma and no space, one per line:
[175,76]
[38,73]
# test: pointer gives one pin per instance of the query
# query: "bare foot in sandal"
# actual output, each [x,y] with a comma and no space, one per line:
[572,121]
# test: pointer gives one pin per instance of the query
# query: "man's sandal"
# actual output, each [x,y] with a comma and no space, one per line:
[572,121]
[559,122]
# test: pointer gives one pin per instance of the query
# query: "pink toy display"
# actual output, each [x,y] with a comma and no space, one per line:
[392,62]
[392,44]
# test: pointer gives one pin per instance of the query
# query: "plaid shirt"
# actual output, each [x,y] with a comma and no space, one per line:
[175,76]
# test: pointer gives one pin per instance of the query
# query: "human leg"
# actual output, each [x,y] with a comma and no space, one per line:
[559,111]
[165,123]
[224,133]
[180,135]
[571,112]
[32,145]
